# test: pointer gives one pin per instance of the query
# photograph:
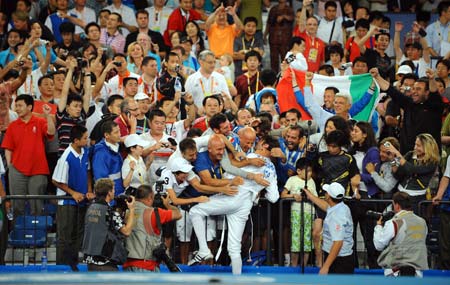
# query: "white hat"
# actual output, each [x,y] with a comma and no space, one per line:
[141,96]
[134,139]
[180,164]
[404,69]
[335,190]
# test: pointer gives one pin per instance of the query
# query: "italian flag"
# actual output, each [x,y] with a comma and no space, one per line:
[355,85]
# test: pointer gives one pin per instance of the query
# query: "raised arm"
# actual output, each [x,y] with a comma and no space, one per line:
[65,90]
[397,45]
[212,18]
[87,88]
[238,24]
[362,42]
[101,80]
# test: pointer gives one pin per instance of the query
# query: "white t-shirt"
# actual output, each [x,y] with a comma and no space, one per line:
[299,63]
[158,21]
[30,86]
[176,130]
[200,86]
[128,16]
[112,86]
[161,156]
[140,175]
[87,16]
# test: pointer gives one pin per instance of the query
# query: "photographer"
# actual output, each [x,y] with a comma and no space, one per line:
[403,240]
[103,246]
[145,236]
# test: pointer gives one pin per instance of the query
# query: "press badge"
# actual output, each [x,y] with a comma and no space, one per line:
[312,55]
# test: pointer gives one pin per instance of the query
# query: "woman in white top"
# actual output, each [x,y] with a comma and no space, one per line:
[134,169]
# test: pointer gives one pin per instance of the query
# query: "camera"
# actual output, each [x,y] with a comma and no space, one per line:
[377,215]
[290,58]
[121,201]
[348,24]
[344,66]
[161,256]
[407,88]
[81,62]
[157,200]
[396,162]
[177,68]
[383,31]
[172,141]
[117,63]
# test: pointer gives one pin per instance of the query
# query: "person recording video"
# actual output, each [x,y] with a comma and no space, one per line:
[104,232]
[402,240]
[145,250]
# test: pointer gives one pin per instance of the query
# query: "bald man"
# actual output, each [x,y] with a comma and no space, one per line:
[247,137]
[236,208]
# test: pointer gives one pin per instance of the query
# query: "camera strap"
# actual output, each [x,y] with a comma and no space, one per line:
[332,31]
[158,222]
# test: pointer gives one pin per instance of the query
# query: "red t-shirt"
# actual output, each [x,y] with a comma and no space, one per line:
[165,216]
[124,131]
[353,48]
[177,22]
[314,50]
[26,141]
[201,123]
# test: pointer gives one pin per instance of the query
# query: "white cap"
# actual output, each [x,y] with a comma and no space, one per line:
[134,139]
[180,164]
[141,96]
[404,69]
[335,190]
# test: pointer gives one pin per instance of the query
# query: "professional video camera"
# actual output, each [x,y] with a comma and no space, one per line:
[376,215]
[157,200]
[161,256]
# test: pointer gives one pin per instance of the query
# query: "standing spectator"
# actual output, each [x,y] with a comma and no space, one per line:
[143,27]
[247,42]
[415,169]
[422,111]
[85,14]
[147,81]
[54,20]
[248,83]
[93,33]
[314,46]
[206,82]
[330,29]
[127,20]
[278,27]
[129,110]
[158,16]
[178,19]
[106,160]
[253,8]
[437,32]
[72,109]
[26,161]
[337,230]
[134,169]
[110,36]
[72,177]
[194,33]
[221,35]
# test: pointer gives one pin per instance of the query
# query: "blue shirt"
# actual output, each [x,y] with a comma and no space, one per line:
[72,169]
[203,162]
[338,226]
[6,56]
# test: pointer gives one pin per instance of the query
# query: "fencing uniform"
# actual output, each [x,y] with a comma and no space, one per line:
[236,208]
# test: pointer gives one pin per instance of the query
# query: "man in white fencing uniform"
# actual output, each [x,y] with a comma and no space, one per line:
[237,207]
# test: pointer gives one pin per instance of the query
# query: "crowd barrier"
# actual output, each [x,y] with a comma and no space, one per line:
[29,234]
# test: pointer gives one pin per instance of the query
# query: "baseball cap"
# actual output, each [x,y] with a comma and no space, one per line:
[141,96]
[134,139]
[180,164]
[404,69]
[335,190]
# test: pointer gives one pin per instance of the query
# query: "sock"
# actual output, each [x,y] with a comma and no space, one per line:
[199,224]
[236,265]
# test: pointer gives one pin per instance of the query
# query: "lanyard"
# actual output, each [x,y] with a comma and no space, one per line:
[214,172]
[109,39]
[210,87]
[31,86]
[243,43]
[248,83]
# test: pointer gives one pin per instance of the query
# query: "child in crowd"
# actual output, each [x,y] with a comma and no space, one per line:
[293,189]
[225,62]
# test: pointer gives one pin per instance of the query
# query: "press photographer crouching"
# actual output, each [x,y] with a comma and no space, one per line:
[105,231]
[402,240]
[145,249]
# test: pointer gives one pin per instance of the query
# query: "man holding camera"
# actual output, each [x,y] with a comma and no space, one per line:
[103,246]
[145,236]
[402,240]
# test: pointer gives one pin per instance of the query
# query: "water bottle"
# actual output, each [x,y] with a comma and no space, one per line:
[177,86]
[44,261]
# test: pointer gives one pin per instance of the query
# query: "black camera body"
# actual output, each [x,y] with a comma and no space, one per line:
[82,63]
[161,256]
[377,215]
[117,63]
[121,201]
[157,200]
[290,58]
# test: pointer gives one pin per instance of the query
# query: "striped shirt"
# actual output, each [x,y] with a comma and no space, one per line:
[64,124]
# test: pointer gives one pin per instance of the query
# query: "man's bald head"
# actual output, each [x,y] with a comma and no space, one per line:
[216,148]
[247,137]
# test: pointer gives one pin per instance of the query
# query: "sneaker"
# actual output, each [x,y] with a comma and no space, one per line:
[198,258]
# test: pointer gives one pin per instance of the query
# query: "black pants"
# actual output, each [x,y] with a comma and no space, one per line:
[106,267]
[341,265]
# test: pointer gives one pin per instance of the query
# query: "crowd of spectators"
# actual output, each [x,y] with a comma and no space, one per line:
[121,89]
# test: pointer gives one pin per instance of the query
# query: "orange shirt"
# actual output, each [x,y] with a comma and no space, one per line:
[221,40]
[353,48]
